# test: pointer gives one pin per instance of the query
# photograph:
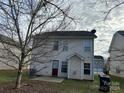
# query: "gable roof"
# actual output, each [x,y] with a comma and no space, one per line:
[98,57]
[4,38]
[9,41]
[69,33]
[121,32]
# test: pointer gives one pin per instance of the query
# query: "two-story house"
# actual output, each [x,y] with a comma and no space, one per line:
[116,51]
[68,54]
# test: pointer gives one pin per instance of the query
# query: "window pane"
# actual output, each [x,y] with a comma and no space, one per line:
[87,72]
[87,45]
[87,49]
[64,67]
[87,65]
[65,46]
[86,68]
[56,45]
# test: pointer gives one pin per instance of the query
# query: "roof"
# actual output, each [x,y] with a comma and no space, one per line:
[4,38]
[121,32]
[98,57]
[70,33]
[7,40]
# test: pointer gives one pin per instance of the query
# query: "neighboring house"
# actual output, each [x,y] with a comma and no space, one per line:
[116,50]
[69,54]
[98,63]
[7,60]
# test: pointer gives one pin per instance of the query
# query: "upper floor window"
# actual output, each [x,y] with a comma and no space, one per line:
[56,45]
[87,68]
[87,45]
[65,45]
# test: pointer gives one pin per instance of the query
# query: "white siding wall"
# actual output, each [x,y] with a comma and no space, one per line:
[117,49]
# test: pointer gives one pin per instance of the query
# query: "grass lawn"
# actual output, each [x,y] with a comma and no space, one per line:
[9,76]
[67,86]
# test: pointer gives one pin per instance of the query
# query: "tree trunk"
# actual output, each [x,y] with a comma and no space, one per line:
[19,77]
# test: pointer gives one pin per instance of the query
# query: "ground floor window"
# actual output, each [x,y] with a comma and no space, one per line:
[64,67]
[87,68]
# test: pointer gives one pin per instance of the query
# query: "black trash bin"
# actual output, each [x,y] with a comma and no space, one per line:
[104,82]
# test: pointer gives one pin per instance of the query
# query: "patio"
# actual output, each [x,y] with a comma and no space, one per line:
[49,79]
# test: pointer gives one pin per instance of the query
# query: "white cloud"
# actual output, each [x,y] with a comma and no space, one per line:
[91,14]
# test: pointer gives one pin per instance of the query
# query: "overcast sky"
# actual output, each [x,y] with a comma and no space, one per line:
[90,15]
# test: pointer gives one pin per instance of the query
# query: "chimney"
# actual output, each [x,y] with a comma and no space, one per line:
[93,31]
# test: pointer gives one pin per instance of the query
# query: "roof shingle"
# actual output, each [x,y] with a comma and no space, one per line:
[70,33]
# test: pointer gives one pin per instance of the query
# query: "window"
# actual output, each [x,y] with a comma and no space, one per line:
[87,68]
[87,45]
[118,69]
[55,64]
[56,45]
[64,67]
[65,46]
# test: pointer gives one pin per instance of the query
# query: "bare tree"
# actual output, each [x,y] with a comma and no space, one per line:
[116,4]
[20,20]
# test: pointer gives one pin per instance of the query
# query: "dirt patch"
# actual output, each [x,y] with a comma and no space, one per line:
[32,87]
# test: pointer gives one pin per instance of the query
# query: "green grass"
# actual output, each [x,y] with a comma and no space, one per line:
[78,86]
[67,86]
[9,76]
